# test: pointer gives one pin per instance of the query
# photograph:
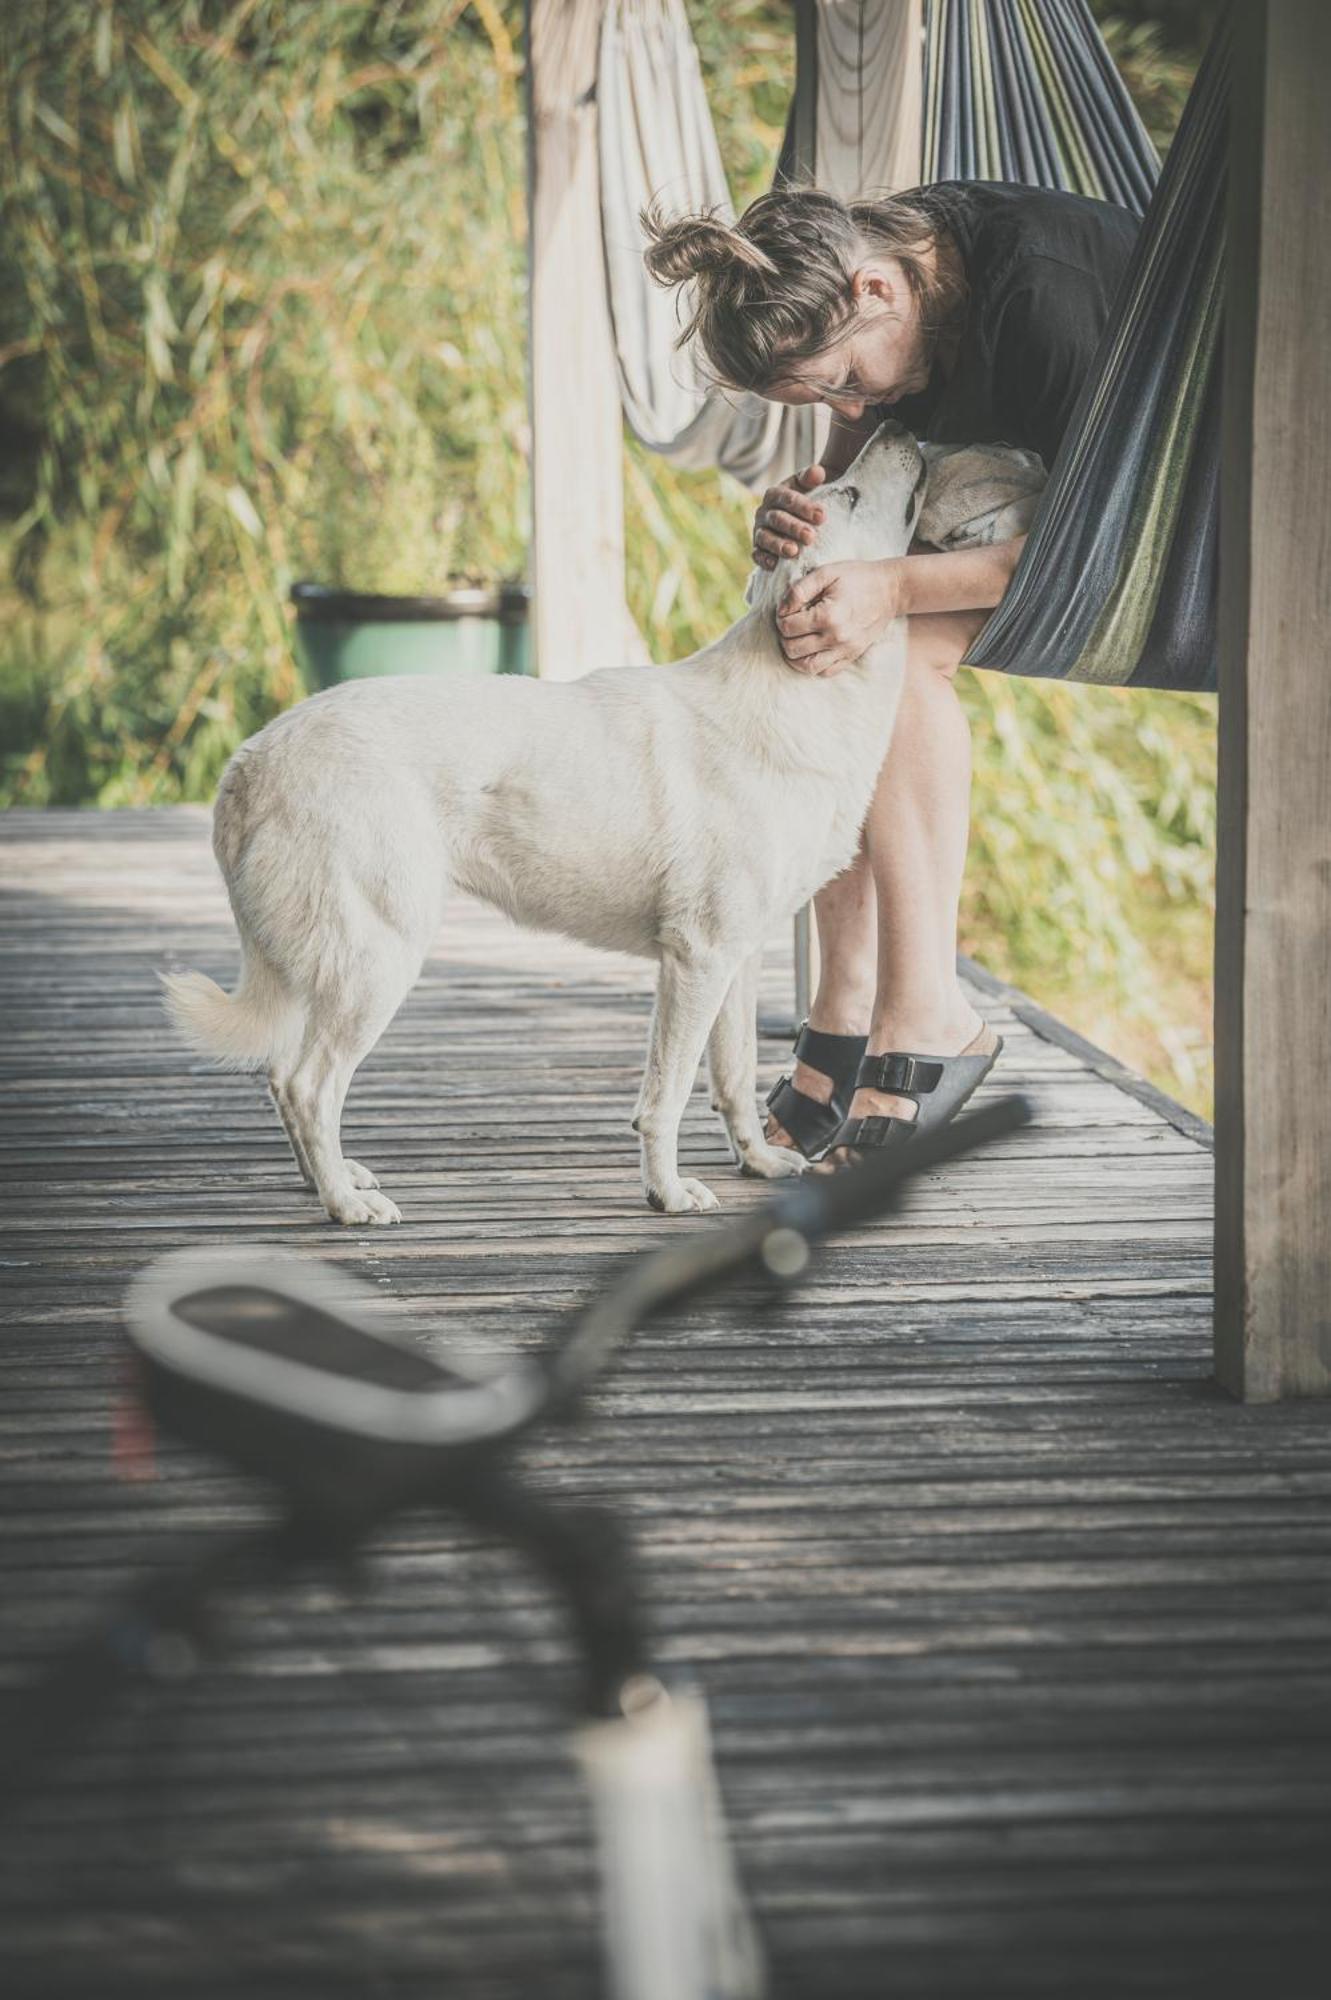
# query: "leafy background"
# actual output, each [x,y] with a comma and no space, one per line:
[264,317]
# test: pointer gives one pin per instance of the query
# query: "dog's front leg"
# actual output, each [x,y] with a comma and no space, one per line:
[689,991]
[732,1058]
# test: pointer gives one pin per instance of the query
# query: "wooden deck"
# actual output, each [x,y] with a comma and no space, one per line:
[1016,1633]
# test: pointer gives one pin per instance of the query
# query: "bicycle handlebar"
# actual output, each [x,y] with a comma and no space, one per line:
[455,1465]
[251,1351]
[780,1235]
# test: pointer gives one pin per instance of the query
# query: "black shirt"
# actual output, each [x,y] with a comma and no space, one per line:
[1041,271]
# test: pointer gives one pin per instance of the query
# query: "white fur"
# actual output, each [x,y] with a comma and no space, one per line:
[679,813]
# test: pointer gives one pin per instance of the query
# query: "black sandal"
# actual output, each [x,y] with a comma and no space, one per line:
[809,1124]
[938,1086]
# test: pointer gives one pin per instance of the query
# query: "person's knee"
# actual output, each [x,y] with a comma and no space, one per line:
[938,642]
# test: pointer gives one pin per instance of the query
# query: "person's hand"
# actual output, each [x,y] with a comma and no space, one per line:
[835,613]
[787,519]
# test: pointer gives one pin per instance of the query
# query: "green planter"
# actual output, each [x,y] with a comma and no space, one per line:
[344,635]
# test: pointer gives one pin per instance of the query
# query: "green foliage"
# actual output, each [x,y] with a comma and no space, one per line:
[269,321]
[1157,50]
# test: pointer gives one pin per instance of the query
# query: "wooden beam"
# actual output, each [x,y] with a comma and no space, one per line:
[579,619]
[1273,949]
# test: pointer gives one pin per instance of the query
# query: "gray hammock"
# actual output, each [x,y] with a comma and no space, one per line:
[657,144]
[1015,90]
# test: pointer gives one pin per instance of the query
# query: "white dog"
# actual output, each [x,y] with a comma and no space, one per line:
[679,813]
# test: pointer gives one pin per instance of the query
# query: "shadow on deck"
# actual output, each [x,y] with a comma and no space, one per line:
[1016,1633]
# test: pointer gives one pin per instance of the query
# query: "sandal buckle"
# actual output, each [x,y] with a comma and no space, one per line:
[900,1075]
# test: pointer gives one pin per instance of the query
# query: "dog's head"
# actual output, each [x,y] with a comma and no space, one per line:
[870,511]
[977,494]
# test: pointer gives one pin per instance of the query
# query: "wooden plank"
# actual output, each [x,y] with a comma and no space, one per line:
[1015,1633]
[1273,1002]
[579,617]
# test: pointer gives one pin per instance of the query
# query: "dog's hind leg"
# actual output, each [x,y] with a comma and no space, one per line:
[688,993]
[732,1059]
[278,1086]
[314,1097]
[343,1026]
[280,1067]
[277,1089]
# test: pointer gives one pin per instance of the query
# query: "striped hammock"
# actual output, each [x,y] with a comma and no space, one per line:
[1025,90]
[1117,582]
[1131,511]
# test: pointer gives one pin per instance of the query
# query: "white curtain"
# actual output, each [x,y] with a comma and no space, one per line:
[657,143]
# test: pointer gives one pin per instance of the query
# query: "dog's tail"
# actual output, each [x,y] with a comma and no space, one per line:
[239,1030]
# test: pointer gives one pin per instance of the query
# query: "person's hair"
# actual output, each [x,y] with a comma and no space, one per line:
[774,288]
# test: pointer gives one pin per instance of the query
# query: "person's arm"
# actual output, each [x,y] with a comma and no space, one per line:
[835,613]
[965,580]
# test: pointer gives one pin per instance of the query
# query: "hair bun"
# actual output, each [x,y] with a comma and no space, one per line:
[698,246]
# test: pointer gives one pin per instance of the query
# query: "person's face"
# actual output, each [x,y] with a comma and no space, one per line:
[882,355]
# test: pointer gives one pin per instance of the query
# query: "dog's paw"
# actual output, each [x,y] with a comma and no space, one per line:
[771,1163]
[682,1197]
[360,1176]
[354,1210]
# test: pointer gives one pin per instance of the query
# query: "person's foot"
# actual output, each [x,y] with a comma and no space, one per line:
[969,1036]
[814,1082]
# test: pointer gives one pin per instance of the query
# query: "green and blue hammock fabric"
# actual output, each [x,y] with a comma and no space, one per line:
[1117,581]
[1025,90]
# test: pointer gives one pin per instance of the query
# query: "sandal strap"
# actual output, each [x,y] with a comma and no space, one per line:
[809,1123]
[837,1056]
[899,1074]
[874,1134]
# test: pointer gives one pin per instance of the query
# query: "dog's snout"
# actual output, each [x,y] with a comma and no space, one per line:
[892,433]
[889,432]
[916,501]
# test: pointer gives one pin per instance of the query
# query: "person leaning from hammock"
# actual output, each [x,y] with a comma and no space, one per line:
[971,311]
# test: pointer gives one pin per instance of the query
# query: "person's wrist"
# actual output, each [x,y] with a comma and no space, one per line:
[895,581]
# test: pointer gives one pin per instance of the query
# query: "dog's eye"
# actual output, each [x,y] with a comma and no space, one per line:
[852,494]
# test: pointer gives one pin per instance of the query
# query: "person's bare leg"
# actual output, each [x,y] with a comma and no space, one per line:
[846,915]
[916,835]
[887,927]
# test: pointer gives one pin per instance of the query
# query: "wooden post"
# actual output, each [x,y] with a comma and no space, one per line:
[579,617]
[1273,942]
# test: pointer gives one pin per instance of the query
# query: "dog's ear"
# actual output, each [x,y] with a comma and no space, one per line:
[995,524]
[984,494]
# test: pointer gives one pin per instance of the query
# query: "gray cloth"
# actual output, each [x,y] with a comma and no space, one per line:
[657,143]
